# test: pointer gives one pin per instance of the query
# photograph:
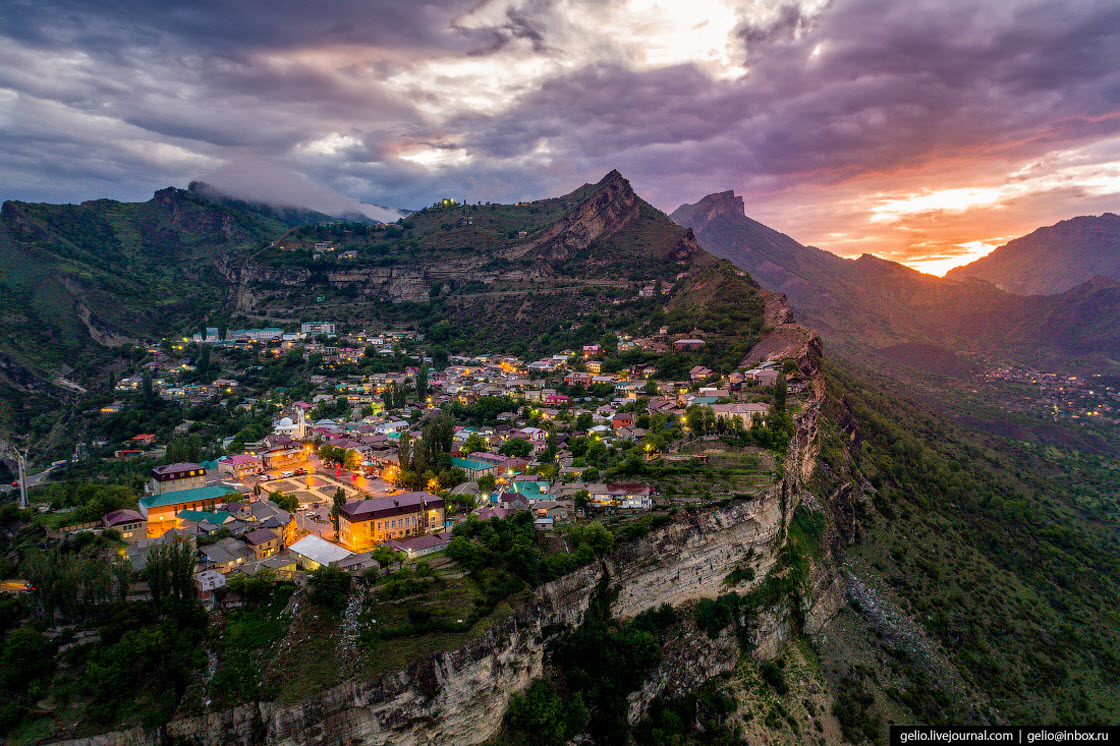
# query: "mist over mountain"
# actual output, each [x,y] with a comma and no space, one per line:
[1053,259]
[267,183]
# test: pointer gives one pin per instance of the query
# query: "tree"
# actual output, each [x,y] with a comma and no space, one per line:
[487,483]
[598,537]
[517,448]
[422,382]
[289,503]
[184,448]
[339,500]
[351,459]
[383,556]
[404,451]
[584,421]
[780,394]
[582,499]
[330,587]
[551,447]
[474,443]
[146,388]
[170,571]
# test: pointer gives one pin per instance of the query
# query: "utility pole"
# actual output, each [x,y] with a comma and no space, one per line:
[21,460]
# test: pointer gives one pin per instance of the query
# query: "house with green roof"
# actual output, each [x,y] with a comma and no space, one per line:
[161,511]
[475,469]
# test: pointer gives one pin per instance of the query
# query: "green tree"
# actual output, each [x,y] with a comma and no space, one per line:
[404,451]
[780,394]
[339,500]
[184,448]
[487,483]
[146,388]
[422,382]
[170,571]
[289,503]
[598,537]
[330,588]
[474,443]
[385,557]
[517,448]
[351,459]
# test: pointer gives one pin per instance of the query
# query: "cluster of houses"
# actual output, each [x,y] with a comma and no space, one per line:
[193,502]
[234,532]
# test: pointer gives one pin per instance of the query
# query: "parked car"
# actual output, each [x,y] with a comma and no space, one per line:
[287,474]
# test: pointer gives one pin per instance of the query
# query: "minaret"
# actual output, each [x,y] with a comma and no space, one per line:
[301,424]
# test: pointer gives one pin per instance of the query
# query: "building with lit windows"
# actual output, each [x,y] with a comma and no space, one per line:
[364,524]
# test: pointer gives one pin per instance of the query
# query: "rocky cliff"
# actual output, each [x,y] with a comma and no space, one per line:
[606,210]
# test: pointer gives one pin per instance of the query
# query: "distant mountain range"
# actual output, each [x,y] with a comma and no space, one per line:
[870,304]
[1052,260]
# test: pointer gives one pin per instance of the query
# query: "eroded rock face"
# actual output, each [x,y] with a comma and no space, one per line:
[597,217]
[699,215]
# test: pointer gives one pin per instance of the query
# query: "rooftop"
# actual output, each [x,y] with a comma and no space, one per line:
[176,468]
[200,494]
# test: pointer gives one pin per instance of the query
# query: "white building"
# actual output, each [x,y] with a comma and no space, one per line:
[296,429]
[318,327]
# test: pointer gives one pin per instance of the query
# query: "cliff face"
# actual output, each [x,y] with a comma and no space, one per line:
[699,215]
[459,697]
[610,207]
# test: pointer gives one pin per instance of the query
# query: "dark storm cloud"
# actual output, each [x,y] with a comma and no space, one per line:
[833,93]
[255,24]
[893,86]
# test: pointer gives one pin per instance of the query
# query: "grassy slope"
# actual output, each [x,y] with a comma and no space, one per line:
[992,549]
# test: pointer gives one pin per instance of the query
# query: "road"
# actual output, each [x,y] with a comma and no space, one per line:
[34,480]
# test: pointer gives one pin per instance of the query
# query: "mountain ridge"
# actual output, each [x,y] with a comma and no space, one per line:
[1052,259]
[871,303]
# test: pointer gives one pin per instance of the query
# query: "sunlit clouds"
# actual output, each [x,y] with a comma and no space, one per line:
[924,132]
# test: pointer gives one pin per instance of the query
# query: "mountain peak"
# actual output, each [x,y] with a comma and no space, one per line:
[1053,259]
[614,175]
[699,215]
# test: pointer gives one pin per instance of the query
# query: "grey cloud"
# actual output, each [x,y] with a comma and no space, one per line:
[896,86]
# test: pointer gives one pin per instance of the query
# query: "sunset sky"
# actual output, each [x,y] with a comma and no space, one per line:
[922,131]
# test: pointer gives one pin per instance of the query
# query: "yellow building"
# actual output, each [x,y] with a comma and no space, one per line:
[365,524]
[175,477]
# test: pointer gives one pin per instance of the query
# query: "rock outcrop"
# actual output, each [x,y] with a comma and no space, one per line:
[611,206]
[699,215]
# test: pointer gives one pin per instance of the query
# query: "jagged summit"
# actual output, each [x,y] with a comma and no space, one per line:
[698,216]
